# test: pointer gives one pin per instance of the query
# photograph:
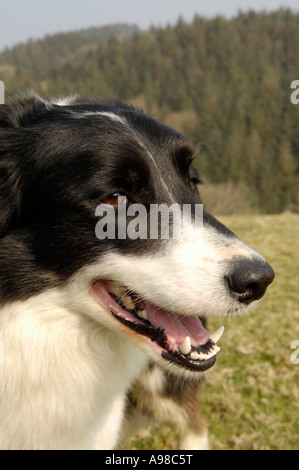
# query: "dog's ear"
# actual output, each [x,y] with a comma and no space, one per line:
[14,113]
[13,139]
[10,194]
[12,117]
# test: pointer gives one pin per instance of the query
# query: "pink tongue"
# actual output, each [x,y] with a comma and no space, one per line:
[177,326]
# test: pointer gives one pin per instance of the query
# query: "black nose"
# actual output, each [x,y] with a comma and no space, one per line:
[249,279]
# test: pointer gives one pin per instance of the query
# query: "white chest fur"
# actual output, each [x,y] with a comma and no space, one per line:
[64,378]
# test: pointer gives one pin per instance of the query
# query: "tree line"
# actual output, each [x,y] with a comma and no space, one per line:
[232,77]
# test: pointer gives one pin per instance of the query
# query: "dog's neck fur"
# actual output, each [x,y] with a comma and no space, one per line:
[59,374]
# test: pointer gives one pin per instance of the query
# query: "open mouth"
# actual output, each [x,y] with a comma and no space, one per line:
[176,338]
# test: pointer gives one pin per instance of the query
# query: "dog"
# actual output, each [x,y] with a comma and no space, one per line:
[84,318]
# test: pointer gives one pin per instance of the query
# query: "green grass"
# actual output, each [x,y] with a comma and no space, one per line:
[251,399]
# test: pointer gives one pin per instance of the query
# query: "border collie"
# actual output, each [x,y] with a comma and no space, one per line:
[81,318]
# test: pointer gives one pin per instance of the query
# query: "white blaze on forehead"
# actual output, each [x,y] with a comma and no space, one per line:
[109,114]
[136,135]
[68,101]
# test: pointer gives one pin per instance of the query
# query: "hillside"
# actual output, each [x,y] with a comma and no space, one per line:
[224,82]
[52,52]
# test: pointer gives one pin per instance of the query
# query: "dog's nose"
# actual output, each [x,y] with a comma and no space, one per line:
[249,279]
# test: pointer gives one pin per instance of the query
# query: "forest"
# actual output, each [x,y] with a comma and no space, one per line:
[225,83]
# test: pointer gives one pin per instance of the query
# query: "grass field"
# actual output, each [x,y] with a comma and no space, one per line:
[251,400]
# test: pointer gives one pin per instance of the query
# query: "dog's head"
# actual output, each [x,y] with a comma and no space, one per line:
[65,167]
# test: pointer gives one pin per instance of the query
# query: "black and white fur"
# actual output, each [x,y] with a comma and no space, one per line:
[69,364]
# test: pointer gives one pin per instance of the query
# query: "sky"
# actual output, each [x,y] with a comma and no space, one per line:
[21,20]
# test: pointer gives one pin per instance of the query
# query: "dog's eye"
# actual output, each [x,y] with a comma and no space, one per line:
[192,186]
[193,183]
[115,199]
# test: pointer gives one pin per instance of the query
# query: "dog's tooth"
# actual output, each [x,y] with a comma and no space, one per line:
[194,355]
[217,334]
[204,356]
[213,352]
[142,314]
[185,346]
[114,285]
[118,290]
[128,302]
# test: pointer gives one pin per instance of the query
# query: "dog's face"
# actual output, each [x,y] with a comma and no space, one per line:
[57,165]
